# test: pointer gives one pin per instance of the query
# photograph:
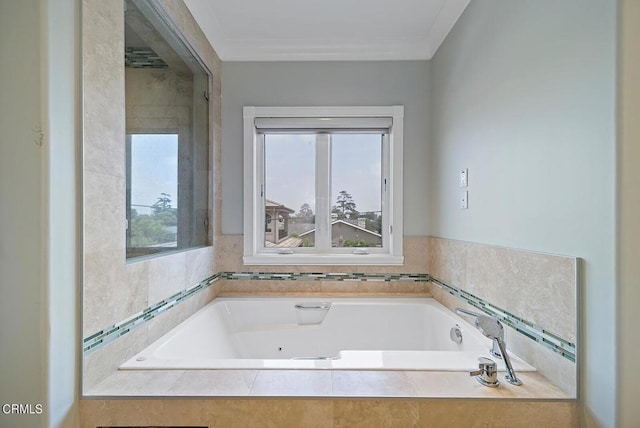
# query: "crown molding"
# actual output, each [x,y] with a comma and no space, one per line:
[300,49]
[306,50]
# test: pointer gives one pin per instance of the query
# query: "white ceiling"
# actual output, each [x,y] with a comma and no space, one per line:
[312,30]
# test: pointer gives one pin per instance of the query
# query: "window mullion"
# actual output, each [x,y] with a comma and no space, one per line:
[387,219]
[259,214]
[323,193]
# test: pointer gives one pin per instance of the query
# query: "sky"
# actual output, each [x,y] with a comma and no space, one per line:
[355,162]
[289,164]
[154,169]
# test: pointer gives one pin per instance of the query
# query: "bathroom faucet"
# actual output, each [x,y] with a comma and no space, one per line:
[487,373]
[493,329]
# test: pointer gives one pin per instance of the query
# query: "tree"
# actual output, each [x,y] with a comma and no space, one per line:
[146,231]
[168,218]
[305,210]
[345,207]
[306,242]
[155,228]
[306,214]
[162,204]
[374,224]
[354,243]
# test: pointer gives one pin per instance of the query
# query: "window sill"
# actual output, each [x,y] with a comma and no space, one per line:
[324,260]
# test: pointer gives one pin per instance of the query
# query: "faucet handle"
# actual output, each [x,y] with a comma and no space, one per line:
[487,373]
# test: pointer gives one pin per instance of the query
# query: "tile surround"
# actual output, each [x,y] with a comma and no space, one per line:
[320,413]
[332,276]
[317,384]
[292,383]
[262,282]
[536,333]
[103,87]
[113,289]
[540,288]
[529,284]
[102,337]
[98,366]
[229,258]
[103,204]
[167,276]
[199,265]
[276,282]
[104,359]
[372,384]
[378,413]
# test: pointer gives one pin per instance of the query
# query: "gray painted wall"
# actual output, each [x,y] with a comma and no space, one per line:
[330,84]
[39,305]
[524,96]
[21,231]
[62,149]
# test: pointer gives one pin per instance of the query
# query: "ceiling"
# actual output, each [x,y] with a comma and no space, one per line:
[326,30]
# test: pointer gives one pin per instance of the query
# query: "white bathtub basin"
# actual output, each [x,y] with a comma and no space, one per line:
[321,333]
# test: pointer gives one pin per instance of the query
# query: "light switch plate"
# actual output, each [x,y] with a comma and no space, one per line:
[464,199]
[464,177]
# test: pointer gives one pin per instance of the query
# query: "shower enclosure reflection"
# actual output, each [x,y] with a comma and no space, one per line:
[166,94]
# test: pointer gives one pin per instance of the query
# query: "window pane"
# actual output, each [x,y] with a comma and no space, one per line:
[356,190]
[153,208]
[290,190]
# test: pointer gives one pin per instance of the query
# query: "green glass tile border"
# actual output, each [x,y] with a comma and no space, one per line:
[111,333]
[526,328]
[522,326]
[119,329]
[319,276]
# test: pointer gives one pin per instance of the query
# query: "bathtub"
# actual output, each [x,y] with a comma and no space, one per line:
[320,333]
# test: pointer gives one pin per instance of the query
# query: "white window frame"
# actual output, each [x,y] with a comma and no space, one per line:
[304,118]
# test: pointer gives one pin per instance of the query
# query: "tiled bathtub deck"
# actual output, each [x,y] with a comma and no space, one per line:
[317,383]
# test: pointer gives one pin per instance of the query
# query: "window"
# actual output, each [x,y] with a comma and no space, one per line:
[323,185]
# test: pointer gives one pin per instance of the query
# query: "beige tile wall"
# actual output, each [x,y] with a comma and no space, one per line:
[540,288]
[324,288]
[369,413]
[229,259]
[409,384]
[104,362]
[113,289]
